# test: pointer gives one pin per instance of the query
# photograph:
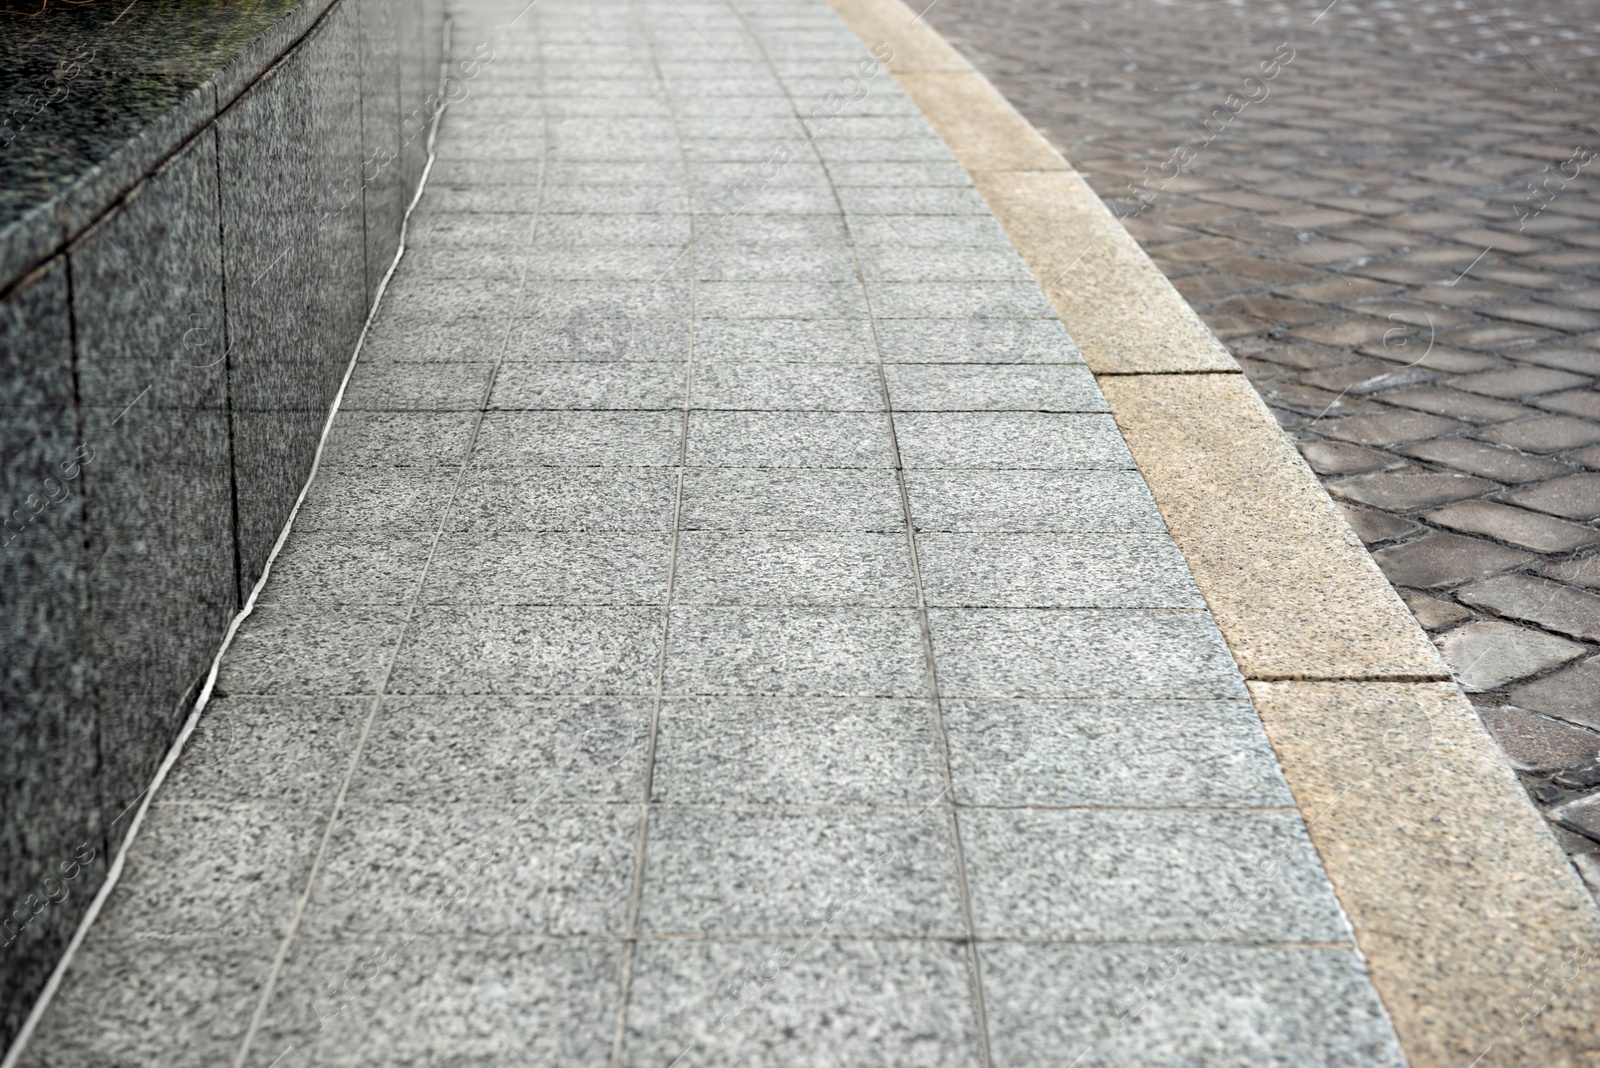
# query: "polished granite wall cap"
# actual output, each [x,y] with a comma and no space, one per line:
[150,88]
[26,243]
[266,51]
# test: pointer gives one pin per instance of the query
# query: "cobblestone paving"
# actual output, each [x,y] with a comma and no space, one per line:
[1391,224]
[729,629]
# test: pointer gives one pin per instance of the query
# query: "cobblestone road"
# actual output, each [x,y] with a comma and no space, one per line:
[1391,224]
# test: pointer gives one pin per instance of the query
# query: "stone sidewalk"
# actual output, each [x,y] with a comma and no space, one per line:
[727,628]
[1399,242]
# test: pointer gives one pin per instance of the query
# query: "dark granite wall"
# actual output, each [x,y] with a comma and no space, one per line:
[168,366]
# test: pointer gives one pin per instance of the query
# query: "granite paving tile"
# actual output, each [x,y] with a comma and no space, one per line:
[783,871]
[795,651]
[528,650]
[184,1000]
[797,751]
[852,387]
[545,867]
[505,749]
[1009,441]
[544,568]
[768,1004]
[1178,1003]
[751,498]
[1032,501]
[1055,571]
[486,1002]
[789,439]
[967,388]
[791,568]
[593,499]
[993,652]
[1039,753]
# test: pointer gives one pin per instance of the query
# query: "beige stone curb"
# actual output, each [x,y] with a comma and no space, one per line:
[1479,936]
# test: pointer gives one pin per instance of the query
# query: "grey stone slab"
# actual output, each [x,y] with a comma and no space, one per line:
[835,387]
[560,302]
[398,439]
[914,231]
[991,387]
[770,229]
[618,229]
[780,300]
[778,870]
[590,386]
[542,568]
[1010,440]
[775,263]
[505,749]
[183,1001]
[791,568]
[529,650]
[1055,571]
[828,340]
[443,297]
[599,330]
[959,300]
[1223,1005]
[403,999]
[760,199]
[1147,875]
[975,341]
[608,263]
[592,499]
[823,652]
[789,439]
[417,387]
[607,200]
[813,751]
[291,751]
[541,867]
[389,500]
[878,173]
[997,652]
[1123,753]
[234,869]
[1032,501]
[738,498]
[776,1004]
[912,200]
[339,649]
[579,439]
[347,567]
[896,126]
[984,264]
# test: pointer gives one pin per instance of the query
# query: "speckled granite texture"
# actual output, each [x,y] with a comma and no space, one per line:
[184,270]
[727,629]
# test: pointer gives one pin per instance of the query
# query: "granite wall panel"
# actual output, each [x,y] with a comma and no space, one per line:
[382,169]
[290,159]
[167,378]
[49,733]
[148,304]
